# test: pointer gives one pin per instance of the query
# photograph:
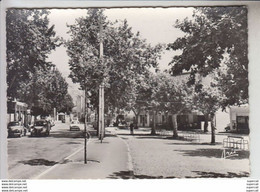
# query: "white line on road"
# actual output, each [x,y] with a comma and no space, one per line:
[56,165]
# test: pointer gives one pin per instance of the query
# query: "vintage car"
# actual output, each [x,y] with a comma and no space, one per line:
[74,126]
[15,129]
[41,128]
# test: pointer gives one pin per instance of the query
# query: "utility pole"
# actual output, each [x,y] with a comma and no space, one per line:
[101,87]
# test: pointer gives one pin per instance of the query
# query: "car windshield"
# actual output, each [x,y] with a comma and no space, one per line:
[13,124]
[74,122]
[40,123]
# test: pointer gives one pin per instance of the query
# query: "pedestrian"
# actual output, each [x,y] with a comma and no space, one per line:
[132,128]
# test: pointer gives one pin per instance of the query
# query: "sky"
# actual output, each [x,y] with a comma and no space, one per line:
[154,24]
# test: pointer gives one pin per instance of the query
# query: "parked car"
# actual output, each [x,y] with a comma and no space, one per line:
[15,129]
[41,128]
[74,126]
[227,128]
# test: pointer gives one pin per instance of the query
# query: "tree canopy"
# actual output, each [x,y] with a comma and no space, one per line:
[126,58]
[29,41]
[30,78]
[45,91]
[215,41]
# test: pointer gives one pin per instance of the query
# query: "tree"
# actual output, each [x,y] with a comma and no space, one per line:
[67,104]
[29,41]
[208,100]
[215,38]
[126,58]
[171,94]
[139,98]
[215,44]
[47,90]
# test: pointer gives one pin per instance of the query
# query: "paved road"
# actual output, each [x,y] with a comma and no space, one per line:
[121,155]
[61,156]
[30,156]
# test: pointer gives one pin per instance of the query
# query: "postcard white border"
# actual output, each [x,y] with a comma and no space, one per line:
[254,60]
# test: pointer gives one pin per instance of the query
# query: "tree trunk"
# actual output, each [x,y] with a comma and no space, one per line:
[206,124]
[135,120]
[153,132]
[175,126]
[213,128]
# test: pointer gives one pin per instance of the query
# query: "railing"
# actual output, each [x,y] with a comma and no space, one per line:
[164,132]
[191,136]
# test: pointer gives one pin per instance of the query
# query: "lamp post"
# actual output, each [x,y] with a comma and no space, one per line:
[85,126]
[101,124]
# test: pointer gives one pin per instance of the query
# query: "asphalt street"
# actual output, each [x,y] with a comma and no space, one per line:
[61,156]
[30,156]
[121,156]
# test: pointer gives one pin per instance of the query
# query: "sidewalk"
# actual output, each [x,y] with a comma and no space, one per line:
[103,161]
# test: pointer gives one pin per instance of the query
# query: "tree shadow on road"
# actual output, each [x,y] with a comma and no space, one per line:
[213,153]
[200,174]
[70,134]
[110,135]
[131,175]
[73,143]
[147,136]
[195,143]
[204,174]
[45,162]
[38,162]
[137,134]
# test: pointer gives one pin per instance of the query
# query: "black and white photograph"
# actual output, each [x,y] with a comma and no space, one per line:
[127,93]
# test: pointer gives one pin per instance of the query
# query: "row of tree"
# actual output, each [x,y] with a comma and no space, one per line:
[214,46]
[30,78]
[125,63]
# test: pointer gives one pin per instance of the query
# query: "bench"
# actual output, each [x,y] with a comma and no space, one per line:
[233,144]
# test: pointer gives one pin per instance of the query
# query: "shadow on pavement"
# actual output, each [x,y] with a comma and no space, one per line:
[73,143]
[70,134]
[110,135]
[103,142]
[213,153]
[81,161]
[131,175]
[194,143]
[204,174]
[38,162]
[149,136]
[140,134]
